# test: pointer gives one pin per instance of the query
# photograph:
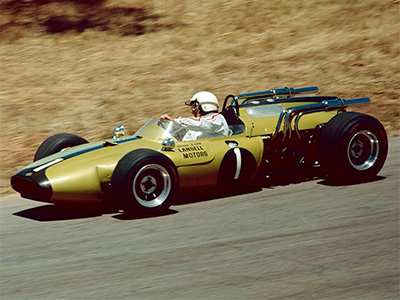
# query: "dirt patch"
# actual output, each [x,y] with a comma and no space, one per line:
[57,16]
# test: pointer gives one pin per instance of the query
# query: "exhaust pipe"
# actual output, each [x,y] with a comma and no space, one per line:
[276,93]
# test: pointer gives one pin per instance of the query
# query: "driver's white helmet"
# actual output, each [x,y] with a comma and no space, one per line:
[207,101]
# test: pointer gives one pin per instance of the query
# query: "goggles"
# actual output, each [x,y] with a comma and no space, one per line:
[193,104]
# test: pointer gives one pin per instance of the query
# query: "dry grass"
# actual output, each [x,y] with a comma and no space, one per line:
[88,80]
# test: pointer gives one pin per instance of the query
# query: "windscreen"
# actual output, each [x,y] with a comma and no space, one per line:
[159,129]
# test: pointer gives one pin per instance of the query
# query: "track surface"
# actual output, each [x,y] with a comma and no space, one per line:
[301,241]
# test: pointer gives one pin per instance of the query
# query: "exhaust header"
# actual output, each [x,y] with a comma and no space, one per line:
[286,92]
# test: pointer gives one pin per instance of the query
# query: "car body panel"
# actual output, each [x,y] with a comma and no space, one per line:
[193,172]
[262,119]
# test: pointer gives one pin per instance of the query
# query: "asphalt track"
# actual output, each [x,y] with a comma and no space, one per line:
[299,241]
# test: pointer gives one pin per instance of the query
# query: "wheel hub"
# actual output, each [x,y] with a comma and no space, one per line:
[363,150]
[357,149]
[148,184]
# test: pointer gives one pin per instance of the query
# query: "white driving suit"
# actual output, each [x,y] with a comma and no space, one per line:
[208,126]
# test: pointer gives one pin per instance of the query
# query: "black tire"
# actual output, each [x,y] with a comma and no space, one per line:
[145,181]
[56,143]
[352,148]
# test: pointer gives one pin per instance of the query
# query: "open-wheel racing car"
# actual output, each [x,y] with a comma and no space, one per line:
[273,134]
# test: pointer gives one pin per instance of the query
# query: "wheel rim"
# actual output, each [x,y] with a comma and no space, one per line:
[152,185]
[363,150]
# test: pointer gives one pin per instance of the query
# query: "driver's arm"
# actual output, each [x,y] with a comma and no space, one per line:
[197,123]
[166,117]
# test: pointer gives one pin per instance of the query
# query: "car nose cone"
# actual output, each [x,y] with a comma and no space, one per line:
[32,185]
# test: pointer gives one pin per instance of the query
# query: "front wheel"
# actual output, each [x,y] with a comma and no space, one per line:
[145,181]
[352,148]
[57,143]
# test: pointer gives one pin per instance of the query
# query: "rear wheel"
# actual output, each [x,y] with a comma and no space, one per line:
[145,181]
[352,148]
[56,143]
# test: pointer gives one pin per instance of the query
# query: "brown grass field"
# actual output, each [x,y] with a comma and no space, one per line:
[85,67]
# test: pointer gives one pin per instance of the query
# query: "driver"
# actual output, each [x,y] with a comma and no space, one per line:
[207,122]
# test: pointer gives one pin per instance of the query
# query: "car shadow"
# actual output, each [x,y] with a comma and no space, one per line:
[193,196]
[54,213]
[327,182]
[51,212]
[123,216]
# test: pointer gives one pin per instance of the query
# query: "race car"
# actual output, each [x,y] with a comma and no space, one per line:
[272,134]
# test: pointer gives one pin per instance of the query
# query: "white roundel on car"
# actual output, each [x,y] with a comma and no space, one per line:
[237,167]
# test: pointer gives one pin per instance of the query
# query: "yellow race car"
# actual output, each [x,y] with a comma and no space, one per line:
[273,134]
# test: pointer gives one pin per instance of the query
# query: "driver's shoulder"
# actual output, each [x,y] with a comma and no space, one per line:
[212,116]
